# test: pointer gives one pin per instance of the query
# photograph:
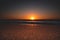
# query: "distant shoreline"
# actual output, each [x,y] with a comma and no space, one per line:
[29,20]
[25,21]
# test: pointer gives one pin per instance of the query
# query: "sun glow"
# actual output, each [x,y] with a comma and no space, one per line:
[32,18]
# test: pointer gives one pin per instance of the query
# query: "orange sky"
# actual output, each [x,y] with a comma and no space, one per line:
[30,13]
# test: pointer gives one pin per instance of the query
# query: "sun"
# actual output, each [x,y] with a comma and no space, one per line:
[32,18]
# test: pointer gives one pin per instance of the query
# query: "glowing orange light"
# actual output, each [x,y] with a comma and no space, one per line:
[32,18]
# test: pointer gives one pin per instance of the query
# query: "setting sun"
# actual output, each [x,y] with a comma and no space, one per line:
[32,18]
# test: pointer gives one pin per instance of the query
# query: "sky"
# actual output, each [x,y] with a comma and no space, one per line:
[42,9]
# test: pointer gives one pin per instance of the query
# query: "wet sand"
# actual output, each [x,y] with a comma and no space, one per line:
[29,32]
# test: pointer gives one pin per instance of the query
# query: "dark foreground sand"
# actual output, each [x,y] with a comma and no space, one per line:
[29,32]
